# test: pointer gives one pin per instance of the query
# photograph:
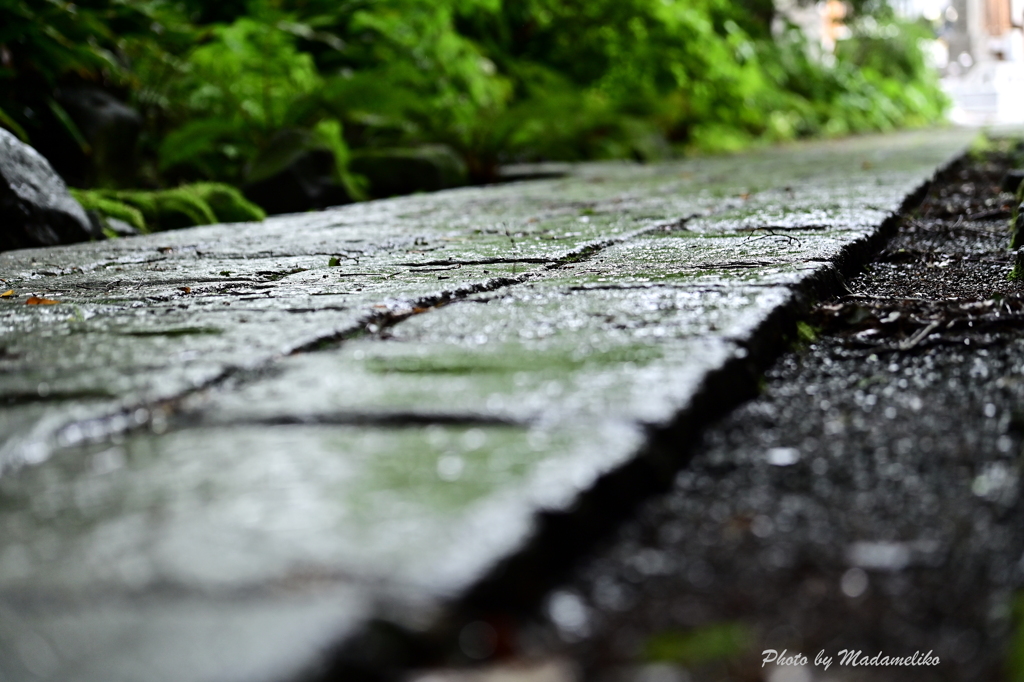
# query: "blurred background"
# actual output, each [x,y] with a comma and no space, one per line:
[979,50]
[301,104]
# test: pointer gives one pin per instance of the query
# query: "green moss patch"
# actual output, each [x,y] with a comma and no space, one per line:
[92,201]
[202,203]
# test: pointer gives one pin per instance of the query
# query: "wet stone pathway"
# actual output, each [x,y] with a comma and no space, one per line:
[316,447]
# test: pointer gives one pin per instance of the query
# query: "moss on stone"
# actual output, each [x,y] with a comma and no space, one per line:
[226,202]
[171,209]
[91,200]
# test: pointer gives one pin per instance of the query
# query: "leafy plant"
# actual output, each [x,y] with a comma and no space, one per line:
[244,84]
[220,85]
[46,43]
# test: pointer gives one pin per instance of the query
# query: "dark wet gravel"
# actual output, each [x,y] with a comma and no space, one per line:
[869,499]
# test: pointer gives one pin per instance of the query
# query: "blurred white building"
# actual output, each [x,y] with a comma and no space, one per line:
[979,49]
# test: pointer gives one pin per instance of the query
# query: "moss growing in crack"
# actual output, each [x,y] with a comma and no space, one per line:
[716,642]
[174,331]
[981,146]
[800,336]
[806,333]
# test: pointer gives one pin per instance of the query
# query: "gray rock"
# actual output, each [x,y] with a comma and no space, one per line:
[35,207]
[111,128]
[294,173]
[548,170]
[1012,180]
[98,221]
[408,170]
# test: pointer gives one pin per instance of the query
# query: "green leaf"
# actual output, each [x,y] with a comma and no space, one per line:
[69,125]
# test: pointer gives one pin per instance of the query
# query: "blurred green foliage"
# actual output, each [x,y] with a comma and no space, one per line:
[715,642]
[496,80]
[46,43]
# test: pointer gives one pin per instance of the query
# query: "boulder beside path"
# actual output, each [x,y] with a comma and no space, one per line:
[35,206]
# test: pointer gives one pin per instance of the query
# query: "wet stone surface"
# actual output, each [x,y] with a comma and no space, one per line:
[354,415]
[869,499]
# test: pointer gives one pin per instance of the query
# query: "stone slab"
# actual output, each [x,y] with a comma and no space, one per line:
[237,445]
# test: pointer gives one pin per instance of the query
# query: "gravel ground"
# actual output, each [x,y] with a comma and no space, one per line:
[868,500]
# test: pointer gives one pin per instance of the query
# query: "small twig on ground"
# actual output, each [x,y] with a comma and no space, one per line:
[920,335]
[772,233]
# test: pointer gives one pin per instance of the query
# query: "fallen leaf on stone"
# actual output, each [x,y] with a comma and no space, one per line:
[7,294]
[187,290]
[334,262]
[35,300]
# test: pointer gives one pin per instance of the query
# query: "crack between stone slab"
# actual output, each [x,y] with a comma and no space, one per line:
[731,265]
[295,582]
[388,319]
[390,316]
[788,228]
[697,288]
[18,398]
[396,419]
[481,261]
